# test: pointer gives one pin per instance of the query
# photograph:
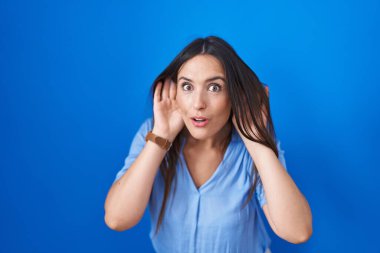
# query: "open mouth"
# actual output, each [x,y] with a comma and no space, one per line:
[199,121]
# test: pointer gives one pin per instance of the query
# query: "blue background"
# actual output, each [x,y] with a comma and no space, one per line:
[75,77]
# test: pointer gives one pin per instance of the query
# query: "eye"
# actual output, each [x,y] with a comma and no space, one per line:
[215,87]
[185,86]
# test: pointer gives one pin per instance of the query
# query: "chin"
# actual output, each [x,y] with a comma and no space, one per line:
[198,133]
[198,136]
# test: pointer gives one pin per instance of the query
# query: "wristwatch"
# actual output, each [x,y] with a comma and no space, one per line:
[162,142]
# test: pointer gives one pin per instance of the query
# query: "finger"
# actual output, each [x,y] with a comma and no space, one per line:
[165,91]
[173,90]
[264,114]
[267,90]
[157,92]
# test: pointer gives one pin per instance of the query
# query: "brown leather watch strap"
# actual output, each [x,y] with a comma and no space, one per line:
[162,142]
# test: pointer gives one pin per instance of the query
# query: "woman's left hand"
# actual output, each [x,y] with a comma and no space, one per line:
[251,124]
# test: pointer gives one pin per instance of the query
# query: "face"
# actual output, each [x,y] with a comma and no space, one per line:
[202,92]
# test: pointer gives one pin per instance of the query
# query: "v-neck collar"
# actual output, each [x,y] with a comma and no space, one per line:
[234,136]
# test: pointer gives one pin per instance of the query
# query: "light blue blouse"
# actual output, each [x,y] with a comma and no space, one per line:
[209,218]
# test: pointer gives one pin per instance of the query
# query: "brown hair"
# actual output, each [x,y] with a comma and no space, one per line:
[248,101]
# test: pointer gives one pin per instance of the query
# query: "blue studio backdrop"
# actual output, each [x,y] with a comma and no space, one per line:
[74,89]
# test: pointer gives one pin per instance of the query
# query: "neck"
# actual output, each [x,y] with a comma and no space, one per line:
[216,141]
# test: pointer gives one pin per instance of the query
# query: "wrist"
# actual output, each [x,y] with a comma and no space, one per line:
[162,134]
[164,143]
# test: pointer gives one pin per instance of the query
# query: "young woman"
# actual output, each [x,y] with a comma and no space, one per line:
[197,163]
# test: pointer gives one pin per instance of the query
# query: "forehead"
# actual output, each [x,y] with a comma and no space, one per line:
[201,67]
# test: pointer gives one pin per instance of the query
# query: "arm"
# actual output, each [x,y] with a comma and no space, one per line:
[287,210]
[129,195]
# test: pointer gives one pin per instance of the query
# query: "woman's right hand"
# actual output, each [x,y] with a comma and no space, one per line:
[168,121]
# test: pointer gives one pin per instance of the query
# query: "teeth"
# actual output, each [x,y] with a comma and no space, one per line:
[199,119]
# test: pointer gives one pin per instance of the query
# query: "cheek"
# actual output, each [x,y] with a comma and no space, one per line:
[224,106]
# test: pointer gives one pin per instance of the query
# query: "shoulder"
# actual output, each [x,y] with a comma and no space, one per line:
[148,122]
[146,125]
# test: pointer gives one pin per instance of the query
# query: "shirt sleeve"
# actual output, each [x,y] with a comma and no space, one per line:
[137,145]
[260,193]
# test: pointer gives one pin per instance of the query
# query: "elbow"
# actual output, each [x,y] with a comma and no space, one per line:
[302,238]
[118,225]
[304,232]
[120,222]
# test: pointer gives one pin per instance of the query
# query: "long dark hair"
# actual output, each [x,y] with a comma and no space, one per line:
[248,100]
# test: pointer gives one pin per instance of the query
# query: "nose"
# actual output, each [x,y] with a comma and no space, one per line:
[199,101]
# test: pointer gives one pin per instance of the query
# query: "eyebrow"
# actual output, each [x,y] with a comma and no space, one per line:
[207,80]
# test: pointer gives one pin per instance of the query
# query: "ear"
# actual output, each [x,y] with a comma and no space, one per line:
[267,90]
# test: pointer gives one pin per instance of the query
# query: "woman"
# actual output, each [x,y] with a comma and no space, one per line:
[209,147]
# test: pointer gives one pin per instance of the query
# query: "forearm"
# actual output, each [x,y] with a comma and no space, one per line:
[128,197]
[288,208]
